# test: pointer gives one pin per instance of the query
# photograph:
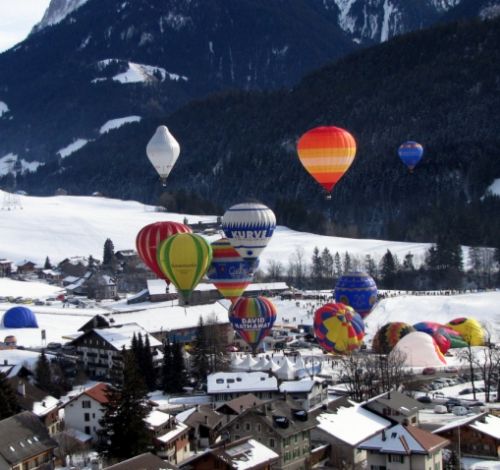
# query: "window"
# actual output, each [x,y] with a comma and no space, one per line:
[396,458]
[87,429]
[86,417]
[259,428]
[247,427]
[86,404]
[219,381]
[271,443]
[237,426]
[93,415]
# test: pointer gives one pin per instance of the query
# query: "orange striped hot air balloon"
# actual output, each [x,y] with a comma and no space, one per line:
[326,153]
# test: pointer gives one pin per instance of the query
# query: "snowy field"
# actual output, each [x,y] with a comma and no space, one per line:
[64,226]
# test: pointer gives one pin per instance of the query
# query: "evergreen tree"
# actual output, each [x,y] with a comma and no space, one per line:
[148,366]
[370,266]
[43,373]
[347,263]
[388,270]
[168,371]
[124,432]
[317,268]
[108,256]
[179,368]
[8,399]
[200,352]
[408,263]
[327,261]
[47,264]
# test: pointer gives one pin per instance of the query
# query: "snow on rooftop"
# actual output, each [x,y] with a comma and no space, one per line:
[352,425]
[297,386]
[19,356]
[234,382]
[73,147]
[178,430]
[121,336]
[250,454]
[156,418]
[491,426]
[113,124]
[41,408]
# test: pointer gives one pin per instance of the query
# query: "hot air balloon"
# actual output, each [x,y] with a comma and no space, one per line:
[149,238]
[470,330]
[184,258]
[357,290]
[252,318]
[338,328]
[326,153]
[229,273]
[437,332]
[411,153]
[249,227]
[388,335]
[419,350]
[163,151]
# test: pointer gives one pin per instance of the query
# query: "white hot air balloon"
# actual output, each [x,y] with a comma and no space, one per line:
[163,151]
[249,227]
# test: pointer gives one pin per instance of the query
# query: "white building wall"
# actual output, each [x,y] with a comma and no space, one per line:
[75,414]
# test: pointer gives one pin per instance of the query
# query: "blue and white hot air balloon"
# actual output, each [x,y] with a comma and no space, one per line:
[410,153]
[249,227]
[358,290]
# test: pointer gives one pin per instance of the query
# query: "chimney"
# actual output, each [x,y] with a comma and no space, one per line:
[241,408]
[383,435]
[5,362]
[21,388]
[206,419]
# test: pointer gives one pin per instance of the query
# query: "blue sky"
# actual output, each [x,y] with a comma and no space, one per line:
[17,17]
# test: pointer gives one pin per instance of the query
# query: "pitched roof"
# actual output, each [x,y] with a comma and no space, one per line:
[146,461]
[407,440]
[488,424]
[203,415]
[23,436]
[352,425]
[98,392]
[32,398]
[238,405]
[231,382]
[398,401]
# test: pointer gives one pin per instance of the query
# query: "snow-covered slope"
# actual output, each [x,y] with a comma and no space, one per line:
[63,226]
[57,11]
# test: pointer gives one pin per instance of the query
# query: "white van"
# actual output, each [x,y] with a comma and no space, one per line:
[440,409]
[459,410]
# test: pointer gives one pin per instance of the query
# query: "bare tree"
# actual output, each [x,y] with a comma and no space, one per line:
[275,270]
[487,362]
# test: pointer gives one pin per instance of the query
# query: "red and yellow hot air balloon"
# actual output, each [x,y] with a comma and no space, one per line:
[326,152]
[149,238]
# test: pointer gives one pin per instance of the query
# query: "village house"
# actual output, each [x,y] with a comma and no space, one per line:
[477,435]
[308,392]
[280,425]
[5,268]
[99,350]
[245,453]
[404,447]
[84,411]
[26,267]
[170,437]
[225,386]
[25,443]
[101,286]
[39,402]
[344,430]
[204,425]
[75,266]
[396,406]
[52,276]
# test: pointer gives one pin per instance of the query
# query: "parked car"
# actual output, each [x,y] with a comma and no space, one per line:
[451,370]
[459,410]
[54,345]
[441,409]
[424,399]
[429,371]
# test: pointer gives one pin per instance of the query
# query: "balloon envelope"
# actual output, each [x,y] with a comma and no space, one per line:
[338,328]
[184,258]
[388,335]
[358,290]
[249,227]
[470,330]
[437,332]
[229,273]
[410,153]
[163,151]
[419,350]
[19,317]
[326,153]
[149,238]
[252,318]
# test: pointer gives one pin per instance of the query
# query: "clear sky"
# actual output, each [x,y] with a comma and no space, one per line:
[17,17]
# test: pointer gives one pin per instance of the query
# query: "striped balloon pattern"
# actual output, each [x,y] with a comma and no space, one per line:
[252,318]
[184,258]
[229,273]
[388,335]
[149,238]
[469,329]
[358,290]
[249,227]
[326,153]
[338,328]
[410,153]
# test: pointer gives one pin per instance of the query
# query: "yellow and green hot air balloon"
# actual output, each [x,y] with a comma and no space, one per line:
[184,258]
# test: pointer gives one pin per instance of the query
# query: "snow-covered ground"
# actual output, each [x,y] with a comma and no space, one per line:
[63,226]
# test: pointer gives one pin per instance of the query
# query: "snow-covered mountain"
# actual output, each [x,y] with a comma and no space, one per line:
[57,11]
[63,226]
